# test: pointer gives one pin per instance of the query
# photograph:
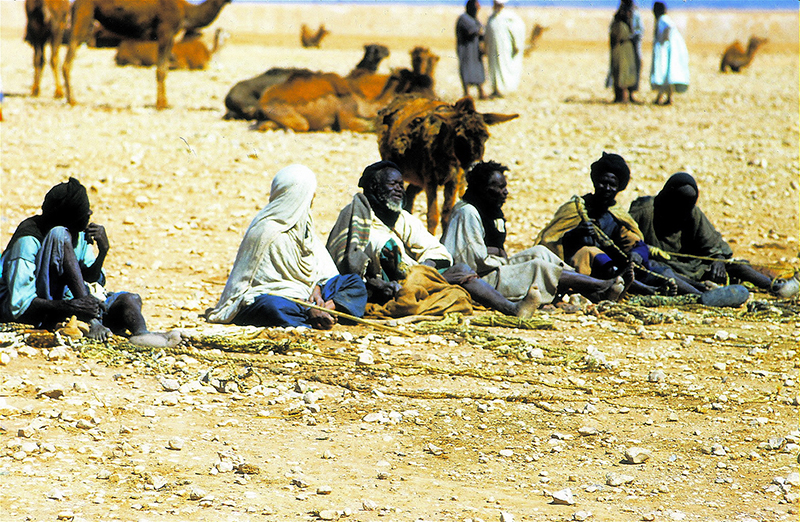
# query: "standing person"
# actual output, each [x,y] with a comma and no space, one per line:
[49,263]
[281,256]
[670,68]
[469,39]
[623,73]
[476,237]
[505,41]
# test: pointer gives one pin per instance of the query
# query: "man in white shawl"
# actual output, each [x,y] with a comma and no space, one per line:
[670,67]
[505,41]
[281,256]
[476,237]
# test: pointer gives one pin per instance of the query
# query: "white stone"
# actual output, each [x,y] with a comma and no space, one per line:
[505,516]
[506,453]
[618,479]
[636,455]
[563,497]
[365,358]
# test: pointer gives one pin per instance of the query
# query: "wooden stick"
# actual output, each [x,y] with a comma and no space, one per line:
[343,315]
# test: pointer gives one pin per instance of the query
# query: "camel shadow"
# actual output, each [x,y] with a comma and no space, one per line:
[599,101]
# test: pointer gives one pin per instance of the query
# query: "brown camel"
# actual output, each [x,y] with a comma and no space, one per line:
[312,39]
[159,20]
[188,53]
[536,33]
[433,142]
[737,58]
[47,21]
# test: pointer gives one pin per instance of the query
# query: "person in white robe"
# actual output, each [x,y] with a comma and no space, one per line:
[282,257]
[505,42]
[670,66]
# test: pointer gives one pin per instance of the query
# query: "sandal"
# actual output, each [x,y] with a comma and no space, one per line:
[785,287]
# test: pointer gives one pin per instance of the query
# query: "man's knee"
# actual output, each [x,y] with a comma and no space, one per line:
[126,300]
[59,235]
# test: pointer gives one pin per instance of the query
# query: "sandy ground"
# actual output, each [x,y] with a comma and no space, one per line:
[460,429]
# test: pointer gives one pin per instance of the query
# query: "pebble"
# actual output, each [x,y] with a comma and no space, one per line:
[324,490]
[369,505]
[365,358]
[170,385]
[54,392]
[175,444]
[587,431]
[328,514]
[505,516]
[196,493]
[582,515]
[657,376]
[636,455]
[506,453]
[65,515]
[618,479]
[563,497]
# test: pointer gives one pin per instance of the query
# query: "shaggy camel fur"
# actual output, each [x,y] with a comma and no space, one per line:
[737,58]
[188,53]
[47,21]
[536,33]
[159,20]
[312,39]
[242,100]
[433,143]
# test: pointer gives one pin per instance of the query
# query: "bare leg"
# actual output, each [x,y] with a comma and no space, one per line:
[487,295]
[125,313]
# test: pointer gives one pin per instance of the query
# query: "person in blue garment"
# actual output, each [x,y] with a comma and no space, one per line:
[469,40]
[49,272]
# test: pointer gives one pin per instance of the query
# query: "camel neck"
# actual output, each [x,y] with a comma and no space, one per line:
[202,15]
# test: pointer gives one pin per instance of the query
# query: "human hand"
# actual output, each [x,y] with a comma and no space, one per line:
[383,290]
[95,233]
[718,272]
[85,307]
[320,320]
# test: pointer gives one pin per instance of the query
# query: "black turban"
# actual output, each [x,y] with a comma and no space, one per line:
[66,202]
[615,164]
[368,176]
[672,193]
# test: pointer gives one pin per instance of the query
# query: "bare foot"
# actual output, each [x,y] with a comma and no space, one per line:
[157,339]
[530,303]
[97,331]
[612,292]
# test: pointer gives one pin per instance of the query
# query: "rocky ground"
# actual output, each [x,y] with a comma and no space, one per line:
[674,413]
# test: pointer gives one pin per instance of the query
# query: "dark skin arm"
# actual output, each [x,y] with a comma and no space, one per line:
[85,308]
[95,234]
[718,272]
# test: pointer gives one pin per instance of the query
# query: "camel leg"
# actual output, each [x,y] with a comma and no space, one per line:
[82,18]
[433,207]
[411,195]
[38,65]
[165,43]
[55,46]
[452,189]
[285,116]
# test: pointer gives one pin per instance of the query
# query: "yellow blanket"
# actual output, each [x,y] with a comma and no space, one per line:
[424,292]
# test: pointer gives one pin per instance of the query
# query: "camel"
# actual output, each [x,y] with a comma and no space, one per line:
[737,58]
[312,39]
[47,21]
[159,20]
[188,53]
[536,33]
[433,143]
[323,101]
[242,100]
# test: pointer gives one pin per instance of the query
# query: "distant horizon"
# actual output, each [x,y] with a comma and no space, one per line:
[778,5]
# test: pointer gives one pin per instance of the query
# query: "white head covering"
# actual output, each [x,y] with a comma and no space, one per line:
[280,253]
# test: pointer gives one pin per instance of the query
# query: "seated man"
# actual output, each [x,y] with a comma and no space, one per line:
[599,238]
[673,223]
[376,239]
[282,257]
[476,236]
[46,266]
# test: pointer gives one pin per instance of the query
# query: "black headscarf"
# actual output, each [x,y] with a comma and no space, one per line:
[368,176]
[477,180]
[65,203]
[671,191]
[673,205]
[615,164]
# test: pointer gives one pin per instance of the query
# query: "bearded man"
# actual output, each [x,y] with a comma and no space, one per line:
[387,246]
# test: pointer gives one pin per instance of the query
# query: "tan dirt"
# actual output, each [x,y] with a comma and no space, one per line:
[176,189]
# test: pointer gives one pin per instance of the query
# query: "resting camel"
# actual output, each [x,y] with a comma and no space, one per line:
[312,39]
[47,21]
[737,58]
[322,101]
[188,53]
[536,33]
[433,143]
[159,20]
[242,100]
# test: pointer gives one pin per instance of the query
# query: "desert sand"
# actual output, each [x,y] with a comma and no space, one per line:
[475,431]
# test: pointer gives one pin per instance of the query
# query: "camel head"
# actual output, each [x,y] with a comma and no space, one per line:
[373,55]
[755,42]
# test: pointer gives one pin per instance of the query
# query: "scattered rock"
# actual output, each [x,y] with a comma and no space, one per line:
[636,455]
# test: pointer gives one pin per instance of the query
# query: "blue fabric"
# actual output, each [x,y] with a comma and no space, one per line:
[348,292]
